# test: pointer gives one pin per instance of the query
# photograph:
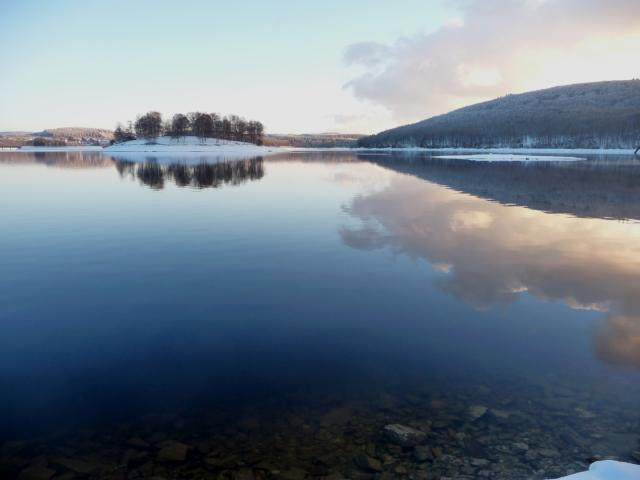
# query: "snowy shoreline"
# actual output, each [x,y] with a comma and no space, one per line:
[187,145]
[560,151]
[506,157]
[190,145]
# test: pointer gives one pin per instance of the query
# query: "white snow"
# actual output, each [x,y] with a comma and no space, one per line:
[499,157]
[168,145]
[608,470]
[563,151]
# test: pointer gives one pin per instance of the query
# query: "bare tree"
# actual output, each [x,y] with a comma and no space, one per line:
[203,125]
[121,135]
[179,125]
[149,125]
[226,128]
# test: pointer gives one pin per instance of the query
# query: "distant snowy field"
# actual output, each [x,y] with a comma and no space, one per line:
[505,157]
[168,145]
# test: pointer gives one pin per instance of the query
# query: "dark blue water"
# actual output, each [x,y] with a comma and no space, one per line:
[299,284]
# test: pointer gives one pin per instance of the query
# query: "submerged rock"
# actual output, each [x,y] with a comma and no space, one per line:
[521,446]
[500,414]
[479,462]
[248,424]
[477,411]
[36,472]
[244,474]
[422,453]
[403,435]
[292,474]
[367,463]
[547,452]
[138,442]
[173,452]
[75,465]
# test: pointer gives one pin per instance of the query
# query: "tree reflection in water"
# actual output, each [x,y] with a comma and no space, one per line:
[203,175]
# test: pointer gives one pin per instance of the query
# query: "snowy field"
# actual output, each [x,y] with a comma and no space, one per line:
[505,157]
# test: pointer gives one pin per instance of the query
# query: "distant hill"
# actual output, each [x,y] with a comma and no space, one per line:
[313,140]
[75,133]
[588,115]
[57,137]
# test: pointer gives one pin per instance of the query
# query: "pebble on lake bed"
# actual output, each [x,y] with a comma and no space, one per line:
[173,452]
[36,472]
[403,435]
[477,411]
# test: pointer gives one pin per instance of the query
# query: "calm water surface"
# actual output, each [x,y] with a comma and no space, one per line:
[266,318]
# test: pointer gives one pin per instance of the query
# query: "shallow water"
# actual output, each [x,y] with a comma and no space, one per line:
[275,314]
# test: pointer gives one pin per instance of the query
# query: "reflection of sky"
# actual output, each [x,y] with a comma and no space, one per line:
[492,254]
[117,296]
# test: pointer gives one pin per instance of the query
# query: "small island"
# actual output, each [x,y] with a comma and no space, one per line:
[195,132]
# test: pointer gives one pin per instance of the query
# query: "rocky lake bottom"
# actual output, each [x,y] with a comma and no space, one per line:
[440,431]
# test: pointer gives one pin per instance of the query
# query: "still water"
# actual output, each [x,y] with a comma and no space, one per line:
[267,318]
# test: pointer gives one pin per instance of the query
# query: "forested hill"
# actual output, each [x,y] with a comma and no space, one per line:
[588,115]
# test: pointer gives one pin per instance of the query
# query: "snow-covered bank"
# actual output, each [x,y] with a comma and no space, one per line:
[187,145]
[608,470]
[502,157]
[544,151]
[483,151]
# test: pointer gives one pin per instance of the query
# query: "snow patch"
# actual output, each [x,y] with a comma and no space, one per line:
[564,151]
[608,470]
[494,157]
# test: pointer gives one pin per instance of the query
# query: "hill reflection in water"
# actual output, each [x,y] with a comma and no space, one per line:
[602,187]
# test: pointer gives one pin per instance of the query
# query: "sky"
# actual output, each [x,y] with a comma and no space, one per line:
[353,66]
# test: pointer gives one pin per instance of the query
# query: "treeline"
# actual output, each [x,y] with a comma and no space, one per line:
[198,124]
[591,115]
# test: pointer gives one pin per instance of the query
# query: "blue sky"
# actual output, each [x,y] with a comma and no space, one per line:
[299,66]
[93,63]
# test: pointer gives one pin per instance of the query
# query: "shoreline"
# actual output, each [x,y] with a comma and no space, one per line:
[237,147]
[191,145]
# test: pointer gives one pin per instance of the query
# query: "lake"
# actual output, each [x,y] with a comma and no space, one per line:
[268,318]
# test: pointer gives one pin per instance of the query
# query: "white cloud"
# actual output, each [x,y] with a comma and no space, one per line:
[495,47]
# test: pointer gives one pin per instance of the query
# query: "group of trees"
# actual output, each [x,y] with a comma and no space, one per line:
[199,124]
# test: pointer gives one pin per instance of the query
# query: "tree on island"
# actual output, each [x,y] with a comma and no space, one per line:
[120,134]
[202,125]
[180,125]
[199,124]
[149,125]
